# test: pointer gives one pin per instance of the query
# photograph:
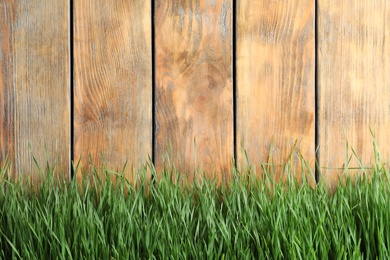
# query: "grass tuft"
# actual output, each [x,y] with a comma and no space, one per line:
[248,218]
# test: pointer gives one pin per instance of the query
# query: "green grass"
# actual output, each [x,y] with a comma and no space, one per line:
[243,220]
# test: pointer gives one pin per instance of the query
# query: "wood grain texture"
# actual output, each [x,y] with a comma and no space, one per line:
[194,86]
[7,93]
[353,81]
[275,82]
[112,81]
[34,85]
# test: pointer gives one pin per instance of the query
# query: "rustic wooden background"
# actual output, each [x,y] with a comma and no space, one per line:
[193,83]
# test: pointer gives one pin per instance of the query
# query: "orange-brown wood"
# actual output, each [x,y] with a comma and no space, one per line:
[112,83]
[194,109]
[34,85]
[7,94]
[353,82]
[275,83]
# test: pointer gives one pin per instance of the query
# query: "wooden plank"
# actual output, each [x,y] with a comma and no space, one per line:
[194,86]
[34,82]
[275,82]
[112,80]
[7,94]
[353,81]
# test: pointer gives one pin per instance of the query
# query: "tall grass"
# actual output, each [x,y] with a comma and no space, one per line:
[246,219]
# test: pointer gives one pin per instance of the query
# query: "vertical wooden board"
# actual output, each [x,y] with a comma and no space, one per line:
[194,109]
[353,82]
[7,94]
[34,82]
[112,83]
[275,82]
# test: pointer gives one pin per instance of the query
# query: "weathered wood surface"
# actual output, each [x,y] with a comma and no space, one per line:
[34,85]
[113,83]
[275,82]
[7,94]
[194,93]
[353,81]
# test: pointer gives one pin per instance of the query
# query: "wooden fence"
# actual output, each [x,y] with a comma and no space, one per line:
[200,80]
